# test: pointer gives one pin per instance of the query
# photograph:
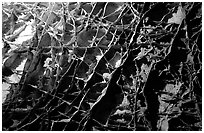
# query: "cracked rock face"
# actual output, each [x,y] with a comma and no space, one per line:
[102,66]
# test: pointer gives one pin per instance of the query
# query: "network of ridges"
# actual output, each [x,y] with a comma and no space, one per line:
[87,76]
